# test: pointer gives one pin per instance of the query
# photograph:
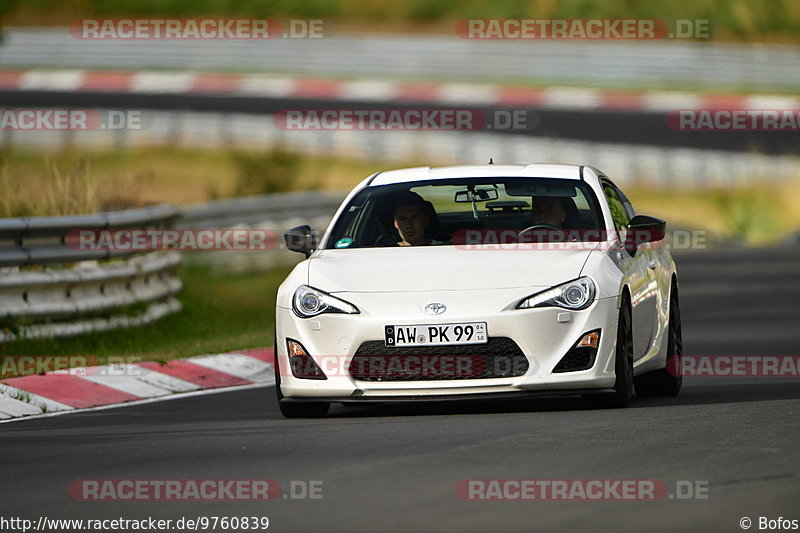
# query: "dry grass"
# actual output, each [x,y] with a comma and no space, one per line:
[71,182]
[78,181]
[53,190]
[759,214]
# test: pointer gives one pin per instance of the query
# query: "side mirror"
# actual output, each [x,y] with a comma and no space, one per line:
[644,228]
[301,239]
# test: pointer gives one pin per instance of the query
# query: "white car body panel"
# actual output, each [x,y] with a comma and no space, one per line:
[421,268]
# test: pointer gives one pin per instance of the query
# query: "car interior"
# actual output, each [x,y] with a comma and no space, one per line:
[368,221]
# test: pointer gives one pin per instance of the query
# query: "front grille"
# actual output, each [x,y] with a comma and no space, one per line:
[500,357]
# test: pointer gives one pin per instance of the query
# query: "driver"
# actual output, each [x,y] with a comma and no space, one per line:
[411,218]
[548,210]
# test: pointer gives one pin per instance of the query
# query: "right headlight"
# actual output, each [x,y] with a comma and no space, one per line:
[308,302]
[576,294]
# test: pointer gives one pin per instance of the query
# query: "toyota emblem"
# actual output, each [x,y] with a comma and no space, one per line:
[435,309]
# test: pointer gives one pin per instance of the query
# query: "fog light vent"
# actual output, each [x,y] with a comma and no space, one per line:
[582,354]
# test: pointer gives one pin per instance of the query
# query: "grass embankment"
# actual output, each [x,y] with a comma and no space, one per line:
[76,181]
[732,20]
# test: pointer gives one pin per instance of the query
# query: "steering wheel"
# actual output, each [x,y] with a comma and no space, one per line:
[536,227]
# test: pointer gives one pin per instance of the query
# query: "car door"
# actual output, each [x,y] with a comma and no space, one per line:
[635,265]
[658,263]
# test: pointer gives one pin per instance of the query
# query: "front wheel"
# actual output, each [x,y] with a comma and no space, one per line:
[666,381]
[623,362]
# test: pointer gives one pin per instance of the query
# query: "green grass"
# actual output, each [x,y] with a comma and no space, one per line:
[221,312]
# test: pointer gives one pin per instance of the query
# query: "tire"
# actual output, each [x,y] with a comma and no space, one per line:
[623,363]
[299,409]
[666,381]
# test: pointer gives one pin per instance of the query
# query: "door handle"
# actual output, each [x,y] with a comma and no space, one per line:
[652,264]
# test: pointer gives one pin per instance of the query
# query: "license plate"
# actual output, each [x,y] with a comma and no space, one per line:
[436,334]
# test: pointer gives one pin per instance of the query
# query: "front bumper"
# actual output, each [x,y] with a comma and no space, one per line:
[544,335]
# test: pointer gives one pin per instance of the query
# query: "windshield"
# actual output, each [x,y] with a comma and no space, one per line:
[447,212]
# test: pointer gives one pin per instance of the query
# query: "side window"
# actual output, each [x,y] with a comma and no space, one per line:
[618,212]
[626,203]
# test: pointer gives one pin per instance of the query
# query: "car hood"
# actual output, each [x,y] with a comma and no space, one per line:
[437,268]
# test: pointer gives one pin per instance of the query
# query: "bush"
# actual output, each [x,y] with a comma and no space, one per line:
[266,172]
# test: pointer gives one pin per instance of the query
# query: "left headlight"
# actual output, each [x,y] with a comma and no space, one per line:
[308,302]
[576,294]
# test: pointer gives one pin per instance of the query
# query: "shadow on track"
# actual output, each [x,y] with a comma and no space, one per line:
[706,391]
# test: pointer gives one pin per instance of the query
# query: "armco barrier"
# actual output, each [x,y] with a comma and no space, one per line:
[757,67]
[48,288]
[276,212]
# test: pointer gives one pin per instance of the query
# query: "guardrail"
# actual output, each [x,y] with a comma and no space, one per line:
[276,212]
[262,210]
[48,288]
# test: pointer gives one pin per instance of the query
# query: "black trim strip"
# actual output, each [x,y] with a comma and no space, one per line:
[423,398]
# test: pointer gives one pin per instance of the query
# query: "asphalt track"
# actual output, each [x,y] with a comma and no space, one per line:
[395,468]
[637,128]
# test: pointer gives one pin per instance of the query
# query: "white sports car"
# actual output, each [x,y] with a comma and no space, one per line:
[474,282]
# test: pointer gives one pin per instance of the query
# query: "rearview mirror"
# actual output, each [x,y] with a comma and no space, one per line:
[480,195]
[301,239]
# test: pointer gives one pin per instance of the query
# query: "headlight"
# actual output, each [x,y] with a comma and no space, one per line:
[308,302]
[575,294]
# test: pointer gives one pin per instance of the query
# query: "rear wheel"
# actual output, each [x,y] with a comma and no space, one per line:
[666,381]
[299,409]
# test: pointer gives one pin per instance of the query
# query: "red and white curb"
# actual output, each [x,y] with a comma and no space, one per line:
[98,386]
[275,86]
